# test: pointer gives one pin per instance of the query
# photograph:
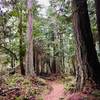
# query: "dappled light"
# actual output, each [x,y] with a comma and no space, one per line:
[49,50]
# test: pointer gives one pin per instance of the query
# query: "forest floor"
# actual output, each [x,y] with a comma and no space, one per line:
[58,92]
[64,89]
[18,87]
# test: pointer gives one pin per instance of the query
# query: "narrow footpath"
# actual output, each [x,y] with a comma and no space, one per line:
[57,92]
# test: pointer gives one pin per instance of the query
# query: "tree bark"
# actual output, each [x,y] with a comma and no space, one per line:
[29,48]
[54,69]
[21,44]
[88,64]
[97,5]
[62,58]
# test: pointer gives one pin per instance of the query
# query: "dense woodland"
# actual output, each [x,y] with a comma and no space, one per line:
[40,50]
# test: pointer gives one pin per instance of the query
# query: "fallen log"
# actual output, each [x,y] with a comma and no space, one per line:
[4,92]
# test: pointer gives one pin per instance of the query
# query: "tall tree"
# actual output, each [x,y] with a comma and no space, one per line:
[29,48]
[97,4]
[21,42]
[88,64]
[54,66]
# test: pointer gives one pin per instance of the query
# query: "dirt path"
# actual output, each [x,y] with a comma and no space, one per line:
[56,93]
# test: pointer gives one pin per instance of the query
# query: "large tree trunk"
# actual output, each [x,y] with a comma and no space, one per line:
[29,48]
[88,64]
[97,4]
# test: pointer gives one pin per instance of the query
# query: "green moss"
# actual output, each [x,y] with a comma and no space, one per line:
[17,98]
[69,83]
[96,93]
[14,79]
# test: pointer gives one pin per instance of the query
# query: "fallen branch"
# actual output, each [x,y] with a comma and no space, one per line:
[4,92]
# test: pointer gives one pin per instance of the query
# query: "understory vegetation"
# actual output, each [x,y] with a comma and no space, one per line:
[49,50]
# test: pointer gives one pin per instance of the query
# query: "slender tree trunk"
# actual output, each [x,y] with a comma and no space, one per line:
[12,66]
[88,64]
[62,59]
[37,67]
[49,59]
[54,62]
[34,58]
[29,48]
[39,64]
[97,5]
[54,69]
[21,44]
[36,61]
[74,64]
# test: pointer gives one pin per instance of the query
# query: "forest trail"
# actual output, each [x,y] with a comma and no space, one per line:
[57,92]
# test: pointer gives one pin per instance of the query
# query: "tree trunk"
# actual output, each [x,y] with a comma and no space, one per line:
[21,45]
[54,69]
[12,71]
[37,67]
[62,58]
[97,4]
[34,58]
[89,67]
[29,48]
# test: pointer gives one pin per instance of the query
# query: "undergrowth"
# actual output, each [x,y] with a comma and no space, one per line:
[17,87]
